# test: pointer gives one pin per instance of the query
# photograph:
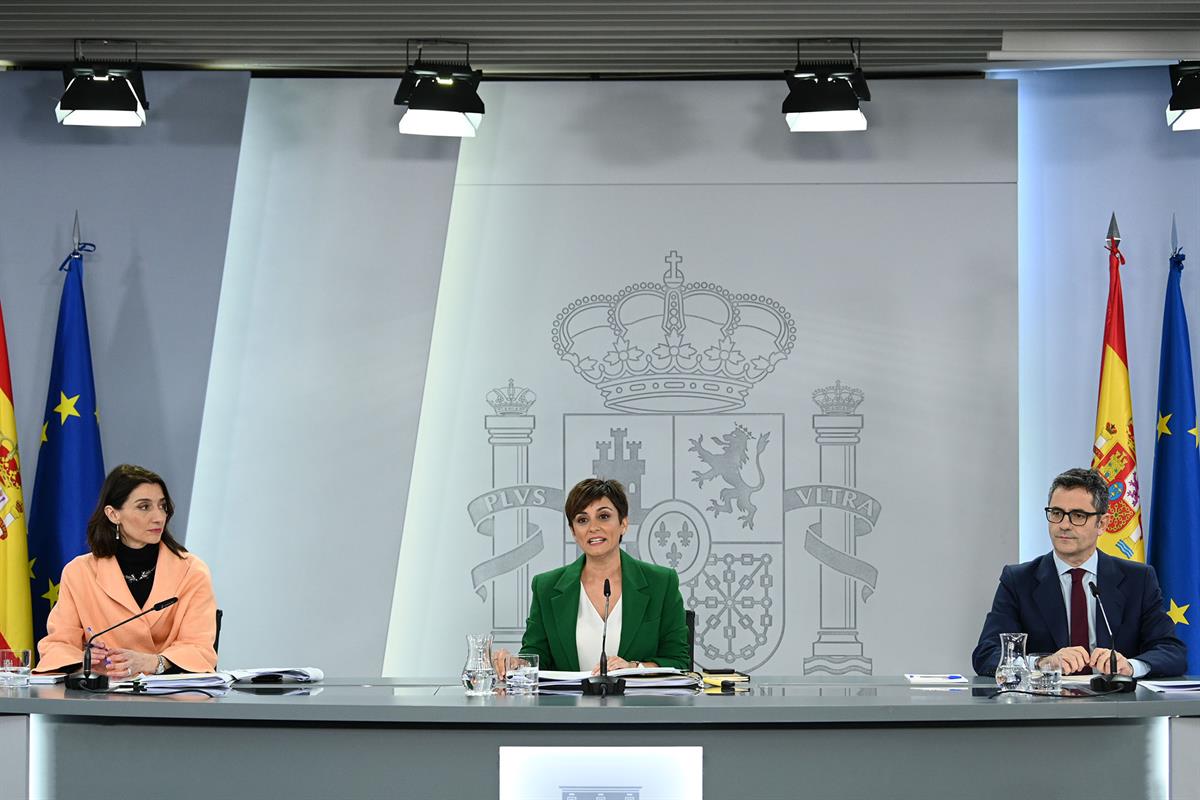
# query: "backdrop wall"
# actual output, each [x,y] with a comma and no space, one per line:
[800,352]
[318,365]
[156,202]
[1094,142]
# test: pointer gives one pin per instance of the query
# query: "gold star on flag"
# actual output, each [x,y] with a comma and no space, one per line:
[44,426]
[1162,425]
[1177,612]
[1196,432]
[31,575]
[52,593]
[66,407]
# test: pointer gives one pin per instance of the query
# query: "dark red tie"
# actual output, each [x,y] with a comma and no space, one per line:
[1079,617]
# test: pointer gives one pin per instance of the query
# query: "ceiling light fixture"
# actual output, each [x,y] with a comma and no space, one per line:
[441,96]
[1183,112]
[102,94]
[824,94]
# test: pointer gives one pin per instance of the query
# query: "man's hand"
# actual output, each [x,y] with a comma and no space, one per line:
[1074,659]
[1099,662]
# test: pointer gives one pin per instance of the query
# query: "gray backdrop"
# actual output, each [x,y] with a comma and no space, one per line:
[156,202]
[884,260]
[318,371]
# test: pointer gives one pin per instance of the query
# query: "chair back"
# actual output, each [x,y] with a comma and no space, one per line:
[689,617]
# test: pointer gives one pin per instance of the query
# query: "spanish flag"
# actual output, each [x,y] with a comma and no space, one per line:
[1113,452]
[16,620]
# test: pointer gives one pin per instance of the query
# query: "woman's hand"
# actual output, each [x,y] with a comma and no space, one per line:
[615,662]
[121,663]
[500,663]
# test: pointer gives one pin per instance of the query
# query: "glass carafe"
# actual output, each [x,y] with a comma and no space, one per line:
[1012,672]
[479,674]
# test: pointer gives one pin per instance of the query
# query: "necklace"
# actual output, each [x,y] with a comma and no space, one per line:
[138,578]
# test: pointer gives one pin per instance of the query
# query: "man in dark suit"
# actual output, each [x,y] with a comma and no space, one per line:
[1049,597]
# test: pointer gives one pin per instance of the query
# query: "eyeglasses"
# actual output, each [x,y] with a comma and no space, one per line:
[1077,518]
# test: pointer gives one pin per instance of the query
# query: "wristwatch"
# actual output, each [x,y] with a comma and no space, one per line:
[162,665]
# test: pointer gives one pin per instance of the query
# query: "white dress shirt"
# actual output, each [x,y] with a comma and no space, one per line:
[589,629]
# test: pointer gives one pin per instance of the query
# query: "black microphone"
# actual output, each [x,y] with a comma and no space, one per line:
[1112,682]
[604,633]
[98,683]
[602,684]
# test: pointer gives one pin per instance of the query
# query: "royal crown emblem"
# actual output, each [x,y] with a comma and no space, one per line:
[674,347]
[838,399]
[511,400]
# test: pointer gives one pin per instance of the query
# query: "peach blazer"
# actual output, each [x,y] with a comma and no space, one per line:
[93,594]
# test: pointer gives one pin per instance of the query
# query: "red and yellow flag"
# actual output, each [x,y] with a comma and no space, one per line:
[16,616]
[1113,452]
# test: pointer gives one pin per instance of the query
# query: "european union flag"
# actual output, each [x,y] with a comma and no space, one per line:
[70,467]
[1174,538]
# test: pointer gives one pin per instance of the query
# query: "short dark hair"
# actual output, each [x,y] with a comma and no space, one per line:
[1080,478]
[120,483]
[589,490]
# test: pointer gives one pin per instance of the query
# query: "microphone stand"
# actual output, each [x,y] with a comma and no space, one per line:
[1112,682]
[604,684]
[84,679]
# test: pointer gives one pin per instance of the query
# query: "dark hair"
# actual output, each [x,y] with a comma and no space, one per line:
[589,490]
[120,483]
[1079,478]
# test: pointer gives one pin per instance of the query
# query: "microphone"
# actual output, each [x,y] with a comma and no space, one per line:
[98,683]
[603,684]
[1112,682]
[604,633]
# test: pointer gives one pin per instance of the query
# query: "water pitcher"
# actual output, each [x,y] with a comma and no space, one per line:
[1012,672]
[479,674]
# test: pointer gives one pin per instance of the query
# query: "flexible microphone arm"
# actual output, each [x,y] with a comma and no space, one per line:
[604,633]
[1111,682]
[98,683]
[604,684]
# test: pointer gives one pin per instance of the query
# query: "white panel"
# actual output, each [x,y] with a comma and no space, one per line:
[601,773]
[318,362]
[900,287]
[14,755]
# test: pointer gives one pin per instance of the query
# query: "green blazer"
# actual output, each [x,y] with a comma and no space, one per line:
[652,623]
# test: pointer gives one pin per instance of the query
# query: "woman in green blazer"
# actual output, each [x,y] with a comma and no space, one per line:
[566,613]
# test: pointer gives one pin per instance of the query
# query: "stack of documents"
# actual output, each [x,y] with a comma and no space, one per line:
[651,680]
[180,682]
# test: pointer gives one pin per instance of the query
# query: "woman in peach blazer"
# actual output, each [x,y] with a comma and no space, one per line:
[134,563]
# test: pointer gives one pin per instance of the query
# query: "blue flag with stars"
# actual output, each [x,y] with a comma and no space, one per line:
[70,467]
[1174,537]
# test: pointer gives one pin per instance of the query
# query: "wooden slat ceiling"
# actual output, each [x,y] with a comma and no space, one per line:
[568,39]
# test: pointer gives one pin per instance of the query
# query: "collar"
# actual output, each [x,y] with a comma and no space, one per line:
[1088,566]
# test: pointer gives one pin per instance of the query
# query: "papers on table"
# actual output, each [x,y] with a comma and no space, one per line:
[655,679]
[180,682]
[219,681]
[936,679]
[46,678]
[1171,687]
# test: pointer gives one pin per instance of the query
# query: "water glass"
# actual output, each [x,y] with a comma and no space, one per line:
[1045,673]
[14,667]
[479,673]
[521,673]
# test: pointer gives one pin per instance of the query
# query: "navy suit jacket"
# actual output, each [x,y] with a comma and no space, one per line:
[1030,600]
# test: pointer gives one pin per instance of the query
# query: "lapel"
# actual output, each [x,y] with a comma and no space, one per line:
[634,599]
[112,583]
[1109,578]
[564,607]
[1048,596]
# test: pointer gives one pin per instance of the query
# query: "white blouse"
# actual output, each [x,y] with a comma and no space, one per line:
[589,629]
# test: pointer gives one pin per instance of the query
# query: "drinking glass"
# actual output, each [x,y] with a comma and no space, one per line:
[1012,671]
[14,667]
[521,673]
[1045,673]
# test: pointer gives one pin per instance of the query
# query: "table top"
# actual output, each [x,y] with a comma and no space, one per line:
[772,701]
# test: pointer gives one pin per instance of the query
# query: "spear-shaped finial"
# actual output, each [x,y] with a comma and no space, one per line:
[1114,233]
[75,231]
[1174,237]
